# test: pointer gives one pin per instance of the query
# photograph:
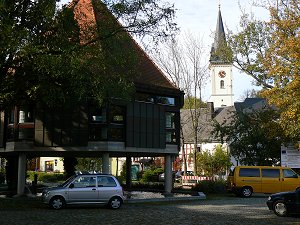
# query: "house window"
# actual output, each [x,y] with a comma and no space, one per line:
[170,128]
[107,124]
[165,100]
[222,84]
[49,166]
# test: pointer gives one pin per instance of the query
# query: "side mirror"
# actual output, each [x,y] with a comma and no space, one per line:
[71,185]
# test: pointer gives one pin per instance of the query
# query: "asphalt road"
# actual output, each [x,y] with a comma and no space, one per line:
[218,210]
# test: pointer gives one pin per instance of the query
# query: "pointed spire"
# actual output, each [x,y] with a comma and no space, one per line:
[219,39]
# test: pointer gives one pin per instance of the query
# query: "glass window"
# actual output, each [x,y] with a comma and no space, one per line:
[106,182]
[170,120]
[170,137]
[116,133]
[144,97]
[165,100]
[289,174]
[49,165]
[222,84]
[249,172]
[82,182]
[270,172]
[99,116]
[117,114]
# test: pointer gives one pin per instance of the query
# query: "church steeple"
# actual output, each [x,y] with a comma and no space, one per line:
[219,42]
[221,68]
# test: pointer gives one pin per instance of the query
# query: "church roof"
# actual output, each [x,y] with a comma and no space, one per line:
[91,15]
[219,42]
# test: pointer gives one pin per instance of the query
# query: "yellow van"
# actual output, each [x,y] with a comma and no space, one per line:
[244,180]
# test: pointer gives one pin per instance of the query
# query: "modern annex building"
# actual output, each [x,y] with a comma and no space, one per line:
[146,126]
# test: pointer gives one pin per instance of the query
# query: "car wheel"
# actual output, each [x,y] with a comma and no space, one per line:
[115,202]
[57,202]
[280,208]
[246,192]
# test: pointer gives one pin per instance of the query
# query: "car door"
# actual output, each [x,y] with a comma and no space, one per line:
[107,188]
[271,181]
[83,189]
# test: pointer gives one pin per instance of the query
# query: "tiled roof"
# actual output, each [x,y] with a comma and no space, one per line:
[91,14]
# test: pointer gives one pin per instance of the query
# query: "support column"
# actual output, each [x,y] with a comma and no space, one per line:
[105,163]
[21,174]
[168,175]
[128,172]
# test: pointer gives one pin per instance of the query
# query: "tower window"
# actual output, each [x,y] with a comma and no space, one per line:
[222,84]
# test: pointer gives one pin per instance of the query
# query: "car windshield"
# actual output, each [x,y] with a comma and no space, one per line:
[67,181]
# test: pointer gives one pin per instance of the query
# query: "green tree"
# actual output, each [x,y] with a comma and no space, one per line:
[254,136]
[52,55]
[215,163]
[89,164]
[191,102]
[269,52]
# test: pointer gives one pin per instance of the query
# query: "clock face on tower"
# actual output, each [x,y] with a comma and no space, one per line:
[222,73]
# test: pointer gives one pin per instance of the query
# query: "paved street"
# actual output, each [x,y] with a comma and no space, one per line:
[226,210]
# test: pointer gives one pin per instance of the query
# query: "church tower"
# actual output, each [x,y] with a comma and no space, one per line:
[221,68]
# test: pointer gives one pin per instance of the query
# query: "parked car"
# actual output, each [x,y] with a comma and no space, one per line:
[86,189]
[161,177]
[285,203]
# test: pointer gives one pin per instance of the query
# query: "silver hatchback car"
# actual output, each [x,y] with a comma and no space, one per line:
[86,189]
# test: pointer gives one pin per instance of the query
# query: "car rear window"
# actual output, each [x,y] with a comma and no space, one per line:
[249,172]
[270,172]
[106,182]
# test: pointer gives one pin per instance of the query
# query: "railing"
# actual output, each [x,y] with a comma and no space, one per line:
[193,180]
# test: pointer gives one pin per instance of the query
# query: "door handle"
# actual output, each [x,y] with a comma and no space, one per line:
[94,189]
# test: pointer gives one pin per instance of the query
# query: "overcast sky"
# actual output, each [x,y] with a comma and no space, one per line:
[199,17]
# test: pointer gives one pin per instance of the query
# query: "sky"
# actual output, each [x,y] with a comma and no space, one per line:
[199,17]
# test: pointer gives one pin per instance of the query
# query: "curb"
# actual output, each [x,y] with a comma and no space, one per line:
[201,196]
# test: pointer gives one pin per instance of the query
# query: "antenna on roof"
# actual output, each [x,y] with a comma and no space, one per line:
[219,4]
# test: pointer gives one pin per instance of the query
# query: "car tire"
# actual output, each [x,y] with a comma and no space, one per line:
[115,202]
[57,202]
[280,208]
[246,192]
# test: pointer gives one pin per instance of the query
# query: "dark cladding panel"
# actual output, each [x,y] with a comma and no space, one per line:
[162,126]
[61,127]
[150,121]
[145,127]
[137,125]
[129,125]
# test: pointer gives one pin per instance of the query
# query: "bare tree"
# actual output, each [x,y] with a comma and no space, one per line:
[184,63]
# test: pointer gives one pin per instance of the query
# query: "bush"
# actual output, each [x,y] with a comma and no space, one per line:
[151,175]
[2,178]
[210,186]
[147,186]
[46,177]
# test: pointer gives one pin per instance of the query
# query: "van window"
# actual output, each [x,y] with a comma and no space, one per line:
[289,174]
[270,172]
[249,172]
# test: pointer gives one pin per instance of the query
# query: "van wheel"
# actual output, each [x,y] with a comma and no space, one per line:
[246,192]
[280,208]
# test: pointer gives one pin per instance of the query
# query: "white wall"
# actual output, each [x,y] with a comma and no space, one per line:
[58,166]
